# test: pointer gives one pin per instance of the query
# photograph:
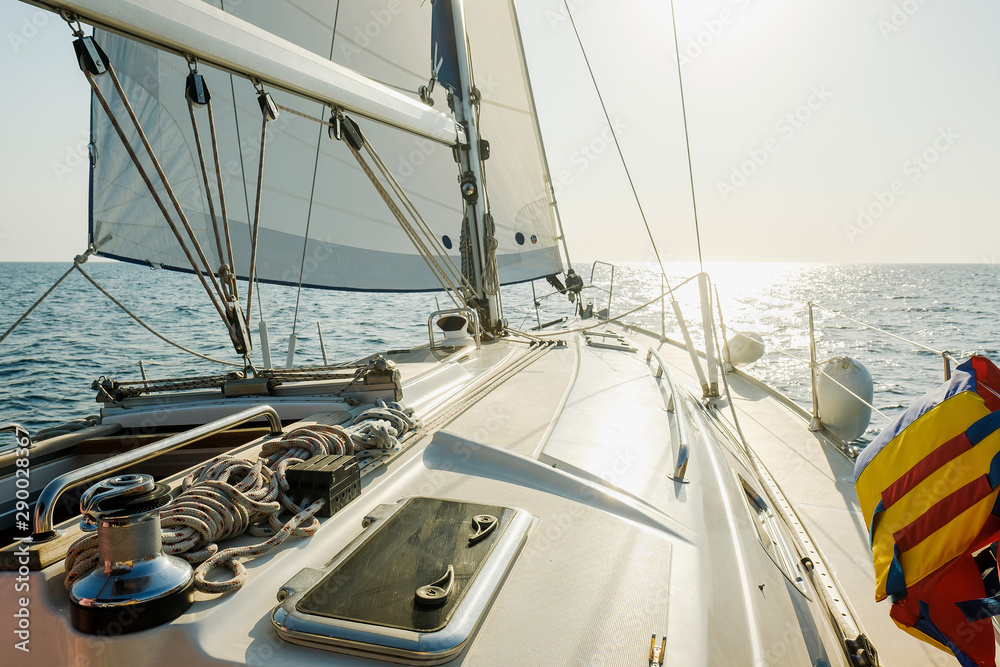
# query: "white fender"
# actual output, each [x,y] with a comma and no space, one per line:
[743,348]
[843,414]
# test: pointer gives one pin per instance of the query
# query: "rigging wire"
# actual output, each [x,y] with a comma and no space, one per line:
[204,177]
[614,135]
[76,265]
[449,276]
[687,138]
[77,262]
[222,196]
[243,172]
[255,225]
[312,191]
[49,291]
[198,270]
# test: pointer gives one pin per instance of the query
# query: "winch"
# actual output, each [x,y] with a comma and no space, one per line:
[136,586]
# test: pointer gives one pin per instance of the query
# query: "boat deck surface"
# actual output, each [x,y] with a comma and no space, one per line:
[579,437]
[818,481]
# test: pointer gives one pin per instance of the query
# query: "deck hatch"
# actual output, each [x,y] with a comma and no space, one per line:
[366,600]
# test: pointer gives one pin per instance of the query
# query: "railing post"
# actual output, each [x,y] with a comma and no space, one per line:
[815,424]
[947,365]
[727,365]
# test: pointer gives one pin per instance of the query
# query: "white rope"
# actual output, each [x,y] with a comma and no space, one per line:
[229,496]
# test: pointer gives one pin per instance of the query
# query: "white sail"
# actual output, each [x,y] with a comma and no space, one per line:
[320,214]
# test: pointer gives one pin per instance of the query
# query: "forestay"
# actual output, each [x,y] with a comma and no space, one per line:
[319,211]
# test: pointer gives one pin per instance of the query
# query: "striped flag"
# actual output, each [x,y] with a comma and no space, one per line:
[928,488]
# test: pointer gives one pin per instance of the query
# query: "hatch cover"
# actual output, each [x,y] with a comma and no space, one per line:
[412,587]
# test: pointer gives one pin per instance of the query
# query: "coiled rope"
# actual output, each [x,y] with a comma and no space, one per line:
[229,496]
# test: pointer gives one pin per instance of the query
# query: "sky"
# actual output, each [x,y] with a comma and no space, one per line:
[849,131]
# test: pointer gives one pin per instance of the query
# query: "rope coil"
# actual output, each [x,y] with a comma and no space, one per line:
[229,496]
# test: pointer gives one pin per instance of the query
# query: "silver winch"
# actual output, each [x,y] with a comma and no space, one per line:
[135,586]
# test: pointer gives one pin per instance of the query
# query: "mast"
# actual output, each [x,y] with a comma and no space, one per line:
[457,77]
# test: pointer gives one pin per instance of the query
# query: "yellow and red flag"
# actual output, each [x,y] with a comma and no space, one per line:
[928,488]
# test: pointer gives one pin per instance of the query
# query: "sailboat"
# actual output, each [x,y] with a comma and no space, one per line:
[583,493]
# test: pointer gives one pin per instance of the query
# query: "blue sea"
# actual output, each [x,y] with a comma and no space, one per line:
[76,335]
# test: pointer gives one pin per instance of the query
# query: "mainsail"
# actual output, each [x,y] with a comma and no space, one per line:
[320,216]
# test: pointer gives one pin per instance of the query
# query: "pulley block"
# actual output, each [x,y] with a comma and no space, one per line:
[91,56]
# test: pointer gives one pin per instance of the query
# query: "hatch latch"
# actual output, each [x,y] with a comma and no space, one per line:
[437,592]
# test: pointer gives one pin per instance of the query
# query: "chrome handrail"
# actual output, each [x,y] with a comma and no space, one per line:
[17,429]
[19,448]
[53,490]
[55,443]
[676,406]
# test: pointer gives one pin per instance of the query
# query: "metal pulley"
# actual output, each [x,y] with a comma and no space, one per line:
[196,90]
[136,586]
[470,191]
[240,332]
[352,133]
[90,55]
[335,128]
[267,106]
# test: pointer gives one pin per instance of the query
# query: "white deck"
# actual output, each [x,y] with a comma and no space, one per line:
[819,482]
[581,439]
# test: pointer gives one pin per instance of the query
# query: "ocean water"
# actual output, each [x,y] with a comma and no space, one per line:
[77,335]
